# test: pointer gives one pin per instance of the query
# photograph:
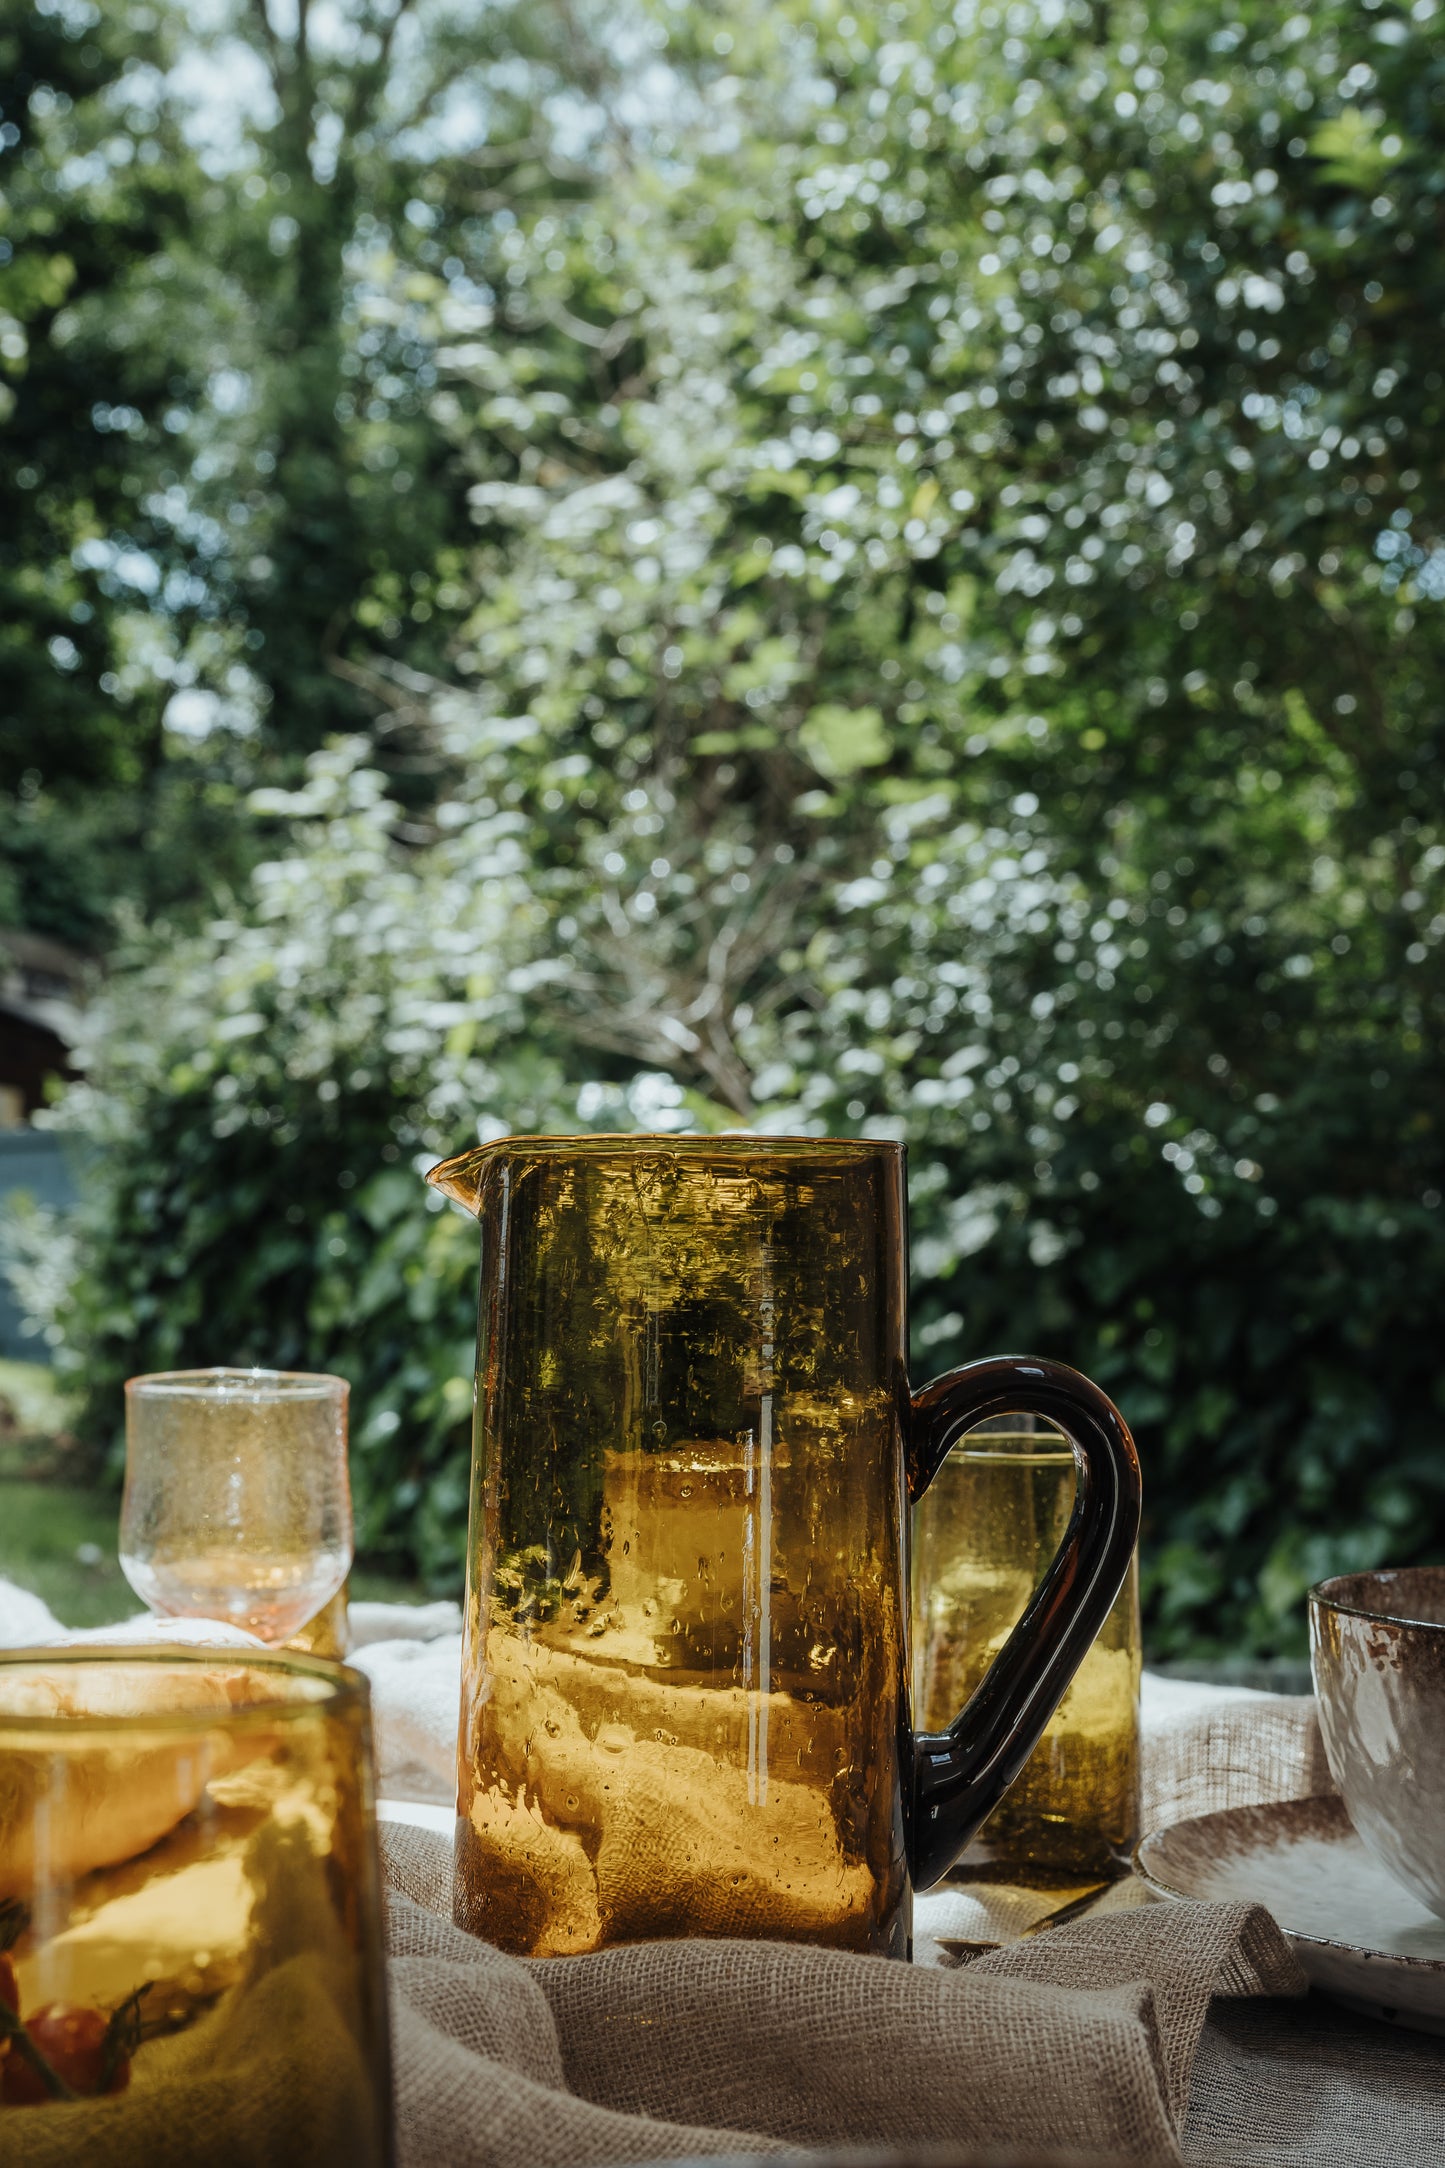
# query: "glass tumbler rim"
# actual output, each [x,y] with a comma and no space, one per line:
[339,1688]
[1044,1448]
[232,1381]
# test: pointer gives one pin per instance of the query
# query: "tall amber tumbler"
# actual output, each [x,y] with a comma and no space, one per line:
[684,1701]
[989,1523]
[190,1911]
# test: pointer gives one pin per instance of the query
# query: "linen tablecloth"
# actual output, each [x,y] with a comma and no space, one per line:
[1262,2074]
[1151,2033]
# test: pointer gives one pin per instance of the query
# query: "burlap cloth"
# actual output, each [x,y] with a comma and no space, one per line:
[1144,2032]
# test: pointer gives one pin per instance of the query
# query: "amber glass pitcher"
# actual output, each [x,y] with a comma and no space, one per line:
[685,1698]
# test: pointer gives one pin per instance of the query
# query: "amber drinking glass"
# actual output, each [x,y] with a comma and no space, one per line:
[685,1704]
[983,1535]
[237,1497]
[190,1896]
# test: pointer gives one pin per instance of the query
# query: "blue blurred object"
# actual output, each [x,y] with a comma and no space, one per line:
[34,1162]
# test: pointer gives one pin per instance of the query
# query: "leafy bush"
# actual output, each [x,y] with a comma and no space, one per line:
[257,1097]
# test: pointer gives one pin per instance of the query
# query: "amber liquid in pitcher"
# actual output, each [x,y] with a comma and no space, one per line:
[685,1661]
[982,1535]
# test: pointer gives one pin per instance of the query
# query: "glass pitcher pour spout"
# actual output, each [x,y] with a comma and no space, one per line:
[685,1691]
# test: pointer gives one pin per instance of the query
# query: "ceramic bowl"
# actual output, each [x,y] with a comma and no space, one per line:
[1377,1649]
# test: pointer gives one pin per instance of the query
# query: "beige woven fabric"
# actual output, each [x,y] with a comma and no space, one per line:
[1084,2041]
[1098,2039]
[1205,1748]
[1308,2085]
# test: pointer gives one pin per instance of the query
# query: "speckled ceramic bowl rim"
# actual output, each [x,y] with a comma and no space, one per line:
[1277,1809]
[1320,1594]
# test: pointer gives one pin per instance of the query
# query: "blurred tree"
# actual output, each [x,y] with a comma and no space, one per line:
[1164,473]
[984,688]
[94,198]
[950,650]
[225,490]
[380,139]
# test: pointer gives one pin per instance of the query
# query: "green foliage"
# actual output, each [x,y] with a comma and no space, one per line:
[264,1092]
[92,198]
[227,496]
[71,392]
[316,456]
[950,648]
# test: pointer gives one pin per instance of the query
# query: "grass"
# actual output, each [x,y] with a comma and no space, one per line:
[59,1543]
[58,1538]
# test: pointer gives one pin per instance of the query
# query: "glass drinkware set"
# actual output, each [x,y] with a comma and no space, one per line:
[190,1913]
[686,1702]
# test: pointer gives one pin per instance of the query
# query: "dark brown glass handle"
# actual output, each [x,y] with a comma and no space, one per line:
[960,1775]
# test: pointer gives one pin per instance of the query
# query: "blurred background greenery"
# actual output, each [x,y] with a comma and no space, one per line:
[801,563]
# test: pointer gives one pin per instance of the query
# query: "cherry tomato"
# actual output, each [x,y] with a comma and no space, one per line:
[74,2041]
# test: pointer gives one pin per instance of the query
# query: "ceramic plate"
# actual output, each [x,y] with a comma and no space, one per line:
[1360,1935]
